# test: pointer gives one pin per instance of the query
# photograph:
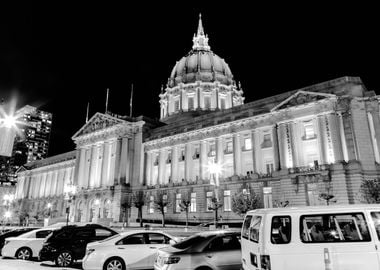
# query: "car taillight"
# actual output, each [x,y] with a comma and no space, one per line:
[90,250]
[265,262]
[171,260]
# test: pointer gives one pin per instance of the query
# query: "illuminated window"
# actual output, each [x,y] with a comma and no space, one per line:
[151,204]
[229,147]
[212,151]
[176,105]
[209,196]
[222,103]
[247,144]
[227,200]
[178,200]
[309,131]
[165,199]
[193,205]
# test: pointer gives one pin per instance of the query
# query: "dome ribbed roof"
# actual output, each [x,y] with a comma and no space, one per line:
[201,64]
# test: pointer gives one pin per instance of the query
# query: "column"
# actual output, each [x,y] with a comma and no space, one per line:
[376,127]
[123,161]
[321,139]
[53,189]
[93,166]
[113,146]
[174,169]
[87,167]
[148,169]
[333,125]
[237,154]
[253,143]
[343,137]
[276,153]
[188,162]
[294,142]
[219,150]
[203,160]
[77,166]
[106,163]
[99,166]
[161,166]
[82,167]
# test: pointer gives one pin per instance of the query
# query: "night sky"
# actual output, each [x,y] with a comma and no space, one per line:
[59,57]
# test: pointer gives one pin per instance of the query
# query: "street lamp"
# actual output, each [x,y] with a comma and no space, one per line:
[48,207]
[215,169]
[69,191]
[8,199]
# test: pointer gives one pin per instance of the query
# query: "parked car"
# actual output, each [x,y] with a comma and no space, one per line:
[129,250]
[13,233]
[68,244]
[214,250]
[312,237]
[26,246]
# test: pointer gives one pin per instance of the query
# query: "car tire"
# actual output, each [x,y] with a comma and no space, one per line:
[203,268]
[114,263]
[24,253]
[64,259]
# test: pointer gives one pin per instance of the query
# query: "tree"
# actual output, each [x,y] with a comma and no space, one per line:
[125,206]
[214,205]
[243,202]
[138,198]
[327,197]
[370,190]
[185,205]
[161,203]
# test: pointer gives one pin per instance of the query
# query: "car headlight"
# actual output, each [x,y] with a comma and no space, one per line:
[6,242]
[171,260]
[90,250]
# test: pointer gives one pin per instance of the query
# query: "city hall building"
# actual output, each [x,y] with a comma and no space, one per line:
[294,146]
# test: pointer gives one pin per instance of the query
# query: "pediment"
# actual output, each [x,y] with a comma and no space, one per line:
[98,122]
[301,98]
[21,169]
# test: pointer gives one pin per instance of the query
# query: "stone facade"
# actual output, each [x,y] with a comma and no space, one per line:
[290,147]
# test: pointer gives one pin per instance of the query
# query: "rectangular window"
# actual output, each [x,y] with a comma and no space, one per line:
[190,103]
[269,168]
[267,141]
[151,204]
[176,105]
[309,131]
[247,144]
[209,196]
[169,158]
[178,201]
[222,103]
[212,150]
[207,102]
[196,152]
[254,231]
[229,147]
[182,155]
[281,230]
[347,227]
[376,221]
[227,200]
[156,161]
[246,225]
[193,203]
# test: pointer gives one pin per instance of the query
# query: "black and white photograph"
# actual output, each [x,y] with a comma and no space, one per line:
[189,136]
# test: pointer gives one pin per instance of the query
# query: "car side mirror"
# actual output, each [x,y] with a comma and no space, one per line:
[172,242]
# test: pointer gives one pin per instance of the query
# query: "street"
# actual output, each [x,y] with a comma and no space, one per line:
[12,264]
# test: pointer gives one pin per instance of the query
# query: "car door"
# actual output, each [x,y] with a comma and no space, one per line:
[155,241]
[79,241]
[224,252]
[134,250]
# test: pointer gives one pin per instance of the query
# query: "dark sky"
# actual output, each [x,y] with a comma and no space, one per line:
[59,57]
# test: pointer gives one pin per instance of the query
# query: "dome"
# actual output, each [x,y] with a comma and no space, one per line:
[200,64]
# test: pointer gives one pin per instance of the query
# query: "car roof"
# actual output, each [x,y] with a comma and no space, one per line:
[142,231]
[316,209]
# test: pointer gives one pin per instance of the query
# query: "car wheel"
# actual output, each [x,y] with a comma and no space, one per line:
[203,268]
[64,259]
[114,264]
[24,253]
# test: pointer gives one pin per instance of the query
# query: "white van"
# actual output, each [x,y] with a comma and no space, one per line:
[314,238]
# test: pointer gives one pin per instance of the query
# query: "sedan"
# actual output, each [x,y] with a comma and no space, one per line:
[27,245]
[216,250]
[14,233]
[129,250]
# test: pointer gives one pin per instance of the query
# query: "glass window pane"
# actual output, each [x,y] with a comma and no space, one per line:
[247,223]
[281,230]
[376,221]
[255,229]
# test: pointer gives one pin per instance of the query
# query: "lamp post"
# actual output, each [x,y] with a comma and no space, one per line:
[69,191]
[48,207]
[215,169]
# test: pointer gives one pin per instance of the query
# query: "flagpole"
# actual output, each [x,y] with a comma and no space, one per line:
[88,107]
[130,102]
[107,100]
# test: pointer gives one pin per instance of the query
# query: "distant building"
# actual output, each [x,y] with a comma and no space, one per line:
[31,142]
[291,147]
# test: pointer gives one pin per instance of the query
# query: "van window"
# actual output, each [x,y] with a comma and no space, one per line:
[247,223]
[255,228]
[348,227]
[281,230]
[376,221]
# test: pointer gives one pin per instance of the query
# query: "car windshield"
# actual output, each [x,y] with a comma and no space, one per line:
[188,242]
